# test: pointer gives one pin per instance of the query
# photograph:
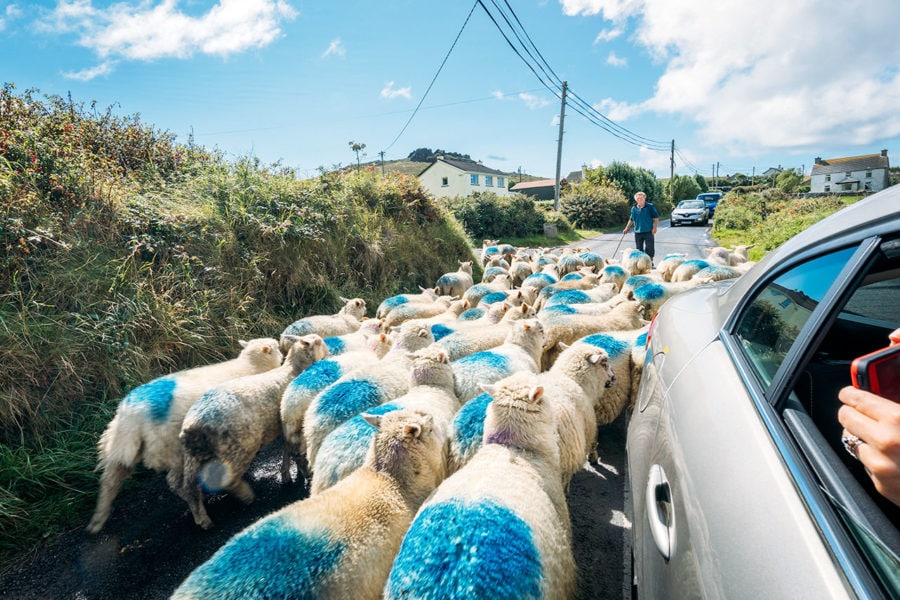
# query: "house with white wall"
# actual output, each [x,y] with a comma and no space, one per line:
[867,173]
[451,177]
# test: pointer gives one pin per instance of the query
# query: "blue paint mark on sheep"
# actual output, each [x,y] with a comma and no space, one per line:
[649,292]
[564,309]
[348,398]
[301,327]
[590,257]
[614,271]
[491,250]
[317,376]
[271,559]
[484,360]
[636,254]
[612,346]
[570,297]
[348,444]
[494,297]
[473,550]
[447,280]
[468,424]
[571,277]
[393,301]
[637,281]
[156,395]
[471,314]
[641,340]
[494,271]
[440,331]
[335,345]
[539,279]
[696,263]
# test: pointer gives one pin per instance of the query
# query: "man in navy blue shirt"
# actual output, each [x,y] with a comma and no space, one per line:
[645,219]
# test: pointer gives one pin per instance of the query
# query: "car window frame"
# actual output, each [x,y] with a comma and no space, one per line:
[771,399]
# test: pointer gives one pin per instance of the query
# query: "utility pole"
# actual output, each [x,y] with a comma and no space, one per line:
[562,118]
[381,154]
[672,172]
[753,175]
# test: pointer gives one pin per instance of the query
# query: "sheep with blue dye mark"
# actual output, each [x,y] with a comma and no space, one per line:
[467,430]
[568,328]
[358,340]
[519,270]
[688,269]
[417,310]
[614,274]
[582,282]
[668,264]
[653,295]
[457,282]
[300,393]
[636,262]
[489,249]
[497,529]
[426,295]
[620,347]
[431,392]
[599,293]
[492,272]
[363,388]
[223,431]
[337,544]
[346,320]
[474,294]
[520,351]
[569,262]
[592,259]
[716,273]
[148,420]
[469,340]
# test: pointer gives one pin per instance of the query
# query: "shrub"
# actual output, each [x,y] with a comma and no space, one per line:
[487,215]
[594,206]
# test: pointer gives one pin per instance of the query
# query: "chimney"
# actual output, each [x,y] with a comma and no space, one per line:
[818,160]
[884,152]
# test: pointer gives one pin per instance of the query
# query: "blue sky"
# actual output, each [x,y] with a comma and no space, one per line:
[745,85]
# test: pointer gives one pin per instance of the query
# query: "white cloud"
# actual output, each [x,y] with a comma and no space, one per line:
[533,102]
[335,48]
[768,74]
[390,93]
[104,68]
[616,61]
[607,35]
[149,30]
[11,13]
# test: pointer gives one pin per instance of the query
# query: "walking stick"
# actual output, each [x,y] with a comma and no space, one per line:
[616,251]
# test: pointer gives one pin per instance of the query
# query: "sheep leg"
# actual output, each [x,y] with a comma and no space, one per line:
[286,463]
[192,494]
[243,491]
[110,484]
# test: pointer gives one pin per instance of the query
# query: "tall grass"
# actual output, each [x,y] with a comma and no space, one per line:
[124,256]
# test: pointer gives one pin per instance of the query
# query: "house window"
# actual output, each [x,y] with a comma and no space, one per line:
[827,188]
[488,180]
[445,182]
[827,178]
[868,173]
[500,182]
[473,179]
[849,173]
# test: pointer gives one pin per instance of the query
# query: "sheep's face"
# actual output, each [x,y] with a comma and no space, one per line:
[264,353]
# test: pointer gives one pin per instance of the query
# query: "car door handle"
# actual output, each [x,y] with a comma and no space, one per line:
[660,511]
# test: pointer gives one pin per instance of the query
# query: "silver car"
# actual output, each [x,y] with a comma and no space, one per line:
[689,211]
[740,487]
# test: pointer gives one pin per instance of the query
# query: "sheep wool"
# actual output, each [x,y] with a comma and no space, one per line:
[568,328]
[466,430]
[457,282]
[688,269]
[226,427]
[346,320]
[426,295]
[497,529]
[338,544]
[148,420]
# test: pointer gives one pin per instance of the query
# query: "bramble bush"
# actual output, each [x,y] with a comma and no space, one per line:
[592,206]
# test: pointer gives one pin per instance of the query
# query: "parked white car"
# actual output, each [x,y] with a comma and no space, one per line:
[689,212]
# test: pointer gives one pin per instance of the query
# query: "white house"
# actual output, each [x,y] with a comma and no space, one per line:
[451,177]
[868,173]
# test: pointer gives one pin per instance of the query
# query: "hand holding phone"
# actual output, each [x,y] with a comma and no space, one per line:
[878,372]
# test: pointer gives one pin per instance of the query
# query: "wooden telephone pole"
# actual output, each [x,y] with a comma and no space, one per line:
[562,118]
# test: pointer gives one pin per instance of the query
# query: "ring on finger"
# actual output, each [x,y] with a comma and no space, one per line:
[851,444]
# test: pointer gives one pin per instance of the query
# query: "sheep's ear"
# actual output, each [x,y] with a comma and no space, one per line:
[342,299]
[411,355]
[631,294]
[423,332]
[373,420]
[413,430]
[536,393]
[488,388]
[243,343]
[443,358]
[595,358]
[563,345]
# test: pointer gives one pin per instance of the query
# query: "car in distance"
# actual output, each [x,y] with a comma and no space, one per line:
[711,199]
[740,485]
[689,211]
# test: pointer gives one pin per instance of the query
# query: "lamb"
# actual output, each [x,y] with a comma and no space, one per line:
[337,544]
[431,392]
[668,264]
[362,389]
[520,351]
[470,340]
[346,320]
[688,269]
[499,527]
[300,392]
[226,427]
[147,421]
[636,262]
[426,295]
[457,282]
[358,340]
[418,310]
[568,328]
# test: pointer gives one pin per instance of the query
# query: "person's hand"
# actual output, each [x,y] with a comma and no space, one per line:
[624,231]
[654,231]
[876,422]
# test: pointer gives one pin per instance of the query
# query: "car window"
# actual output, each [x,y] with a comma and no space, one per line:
[773,320]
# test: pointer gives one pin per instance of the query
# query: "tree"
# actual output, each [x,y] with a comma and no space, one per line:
[788,180]
[357,148]
[701,182]
[684,186]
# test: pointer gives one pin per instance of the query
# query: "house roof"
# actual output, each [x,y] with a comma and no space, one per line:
[469,166]
[771,171]
[530,185]
[851,163]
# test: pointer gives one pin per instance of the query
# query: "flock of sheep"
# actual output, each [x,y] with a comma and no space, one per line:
[439,437]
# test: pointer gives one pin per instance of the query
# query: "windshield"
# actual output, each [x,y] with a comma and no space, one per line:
[691,204]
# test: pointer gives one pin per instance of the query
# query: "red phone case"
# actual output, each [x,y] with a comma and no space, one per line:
[878,372]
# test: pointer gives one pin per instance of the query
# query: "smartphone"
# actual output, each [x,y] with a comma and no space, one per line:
[878,372]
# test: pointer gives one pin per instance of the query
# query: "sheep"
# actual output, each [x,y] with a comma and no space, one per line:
[363,388]
[508,251]
[426,295]
[451,314]
[498,261]
[457,282]
[499,527]
[613,274]
[653,295]
[538,281]
[718,255]
[569,262]
[337,544]
[474,294]
[147,421]
[592,259]
[740,254]
[582,282]
[470,340]
[358,340]
[619,346]
[493,271]
[466,431]
[431,391]
[668,264]
[418,310]
[688,269]
[226,427]
[520,351]
[300,393]
[489,250]
[636,262]
[599,293]
[568,328]
[346,320]
[716,273]
[519,270]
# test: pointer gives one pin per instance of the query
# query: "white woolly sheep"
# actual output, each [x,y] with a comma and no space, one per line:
[499,527]
[492,272]
[418,310]
[426,295]
[653,295]
[614,274]
[226,427]
[474,294]
[431,392]
[340,543]
[346,320]
[300,392]
[519,270]
[520,351]
[457,282]
[364,388]
[470,340]
[357,340]
[688,269]
[668,264]
[148,420]
[636,262]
